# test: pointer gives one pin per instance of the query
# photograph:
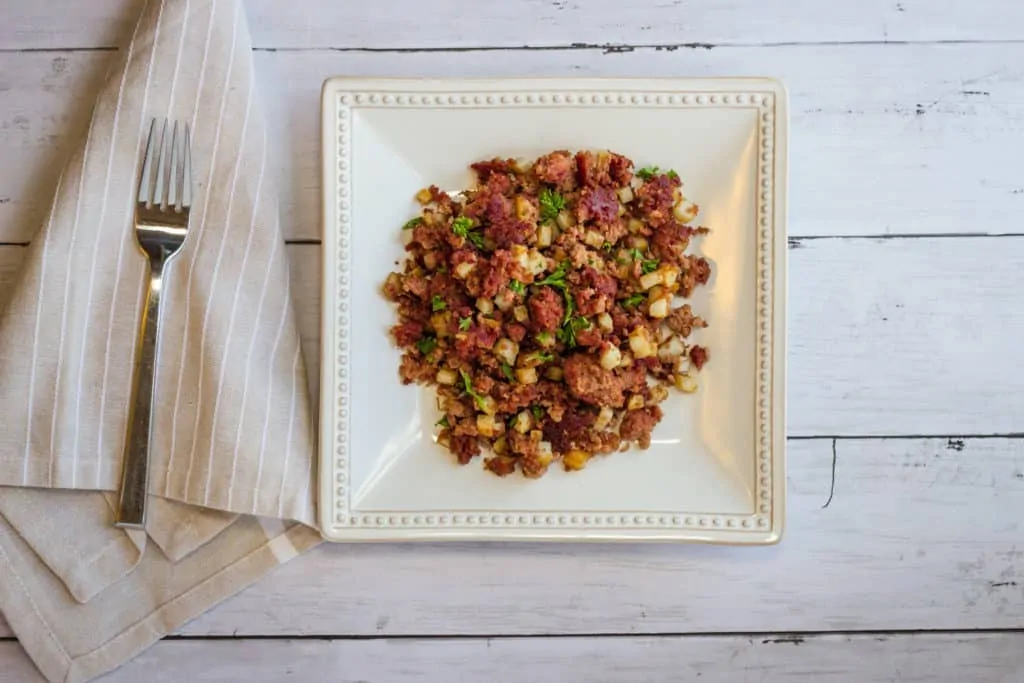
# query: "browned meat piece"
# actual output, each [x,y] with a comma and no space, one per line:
[591,383]
[656,198]
[682,320]
[592,169]
[501,465]
[557,169]
[484,169]
[407,333]
[698,356]
[597,204]
[465,448]
[638,425]
[516,332]
[546,309]
[620,169]
[572,431]
[508,231]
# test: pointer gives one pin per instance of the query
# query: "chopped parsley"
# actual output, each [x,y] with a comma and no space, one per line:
[651,171]
[557,278]
[540,357]
[426,345]
[412,223]
[538,412]
[437,303]
[506,370]
[607,246]
[631,301]
[464,323]
[463,227]
[570,306]
[636,254]
[443,422]
[467,385]
[551,203]
[567,332]
[648,266]
[517,287]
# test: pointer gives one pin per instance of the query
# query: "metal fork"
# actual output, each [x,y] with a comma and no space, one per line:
[161,226]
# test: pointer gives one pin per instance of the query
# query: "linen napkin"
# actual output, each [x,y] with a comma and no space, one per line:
[232,457]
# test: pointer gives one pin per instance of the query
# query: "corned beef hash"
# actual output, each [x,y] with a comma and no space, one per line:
[541,304]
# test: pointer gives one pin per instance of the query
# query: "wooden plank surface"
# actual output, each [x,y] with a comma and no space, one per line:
[924,658]
[463,23]
[894,139]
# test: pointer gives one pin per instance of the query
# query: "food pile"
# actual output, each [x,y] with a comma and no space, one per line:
[541,304]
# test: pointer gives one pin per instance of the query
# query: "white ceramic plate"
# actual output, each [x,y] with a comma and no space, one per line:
[715,471]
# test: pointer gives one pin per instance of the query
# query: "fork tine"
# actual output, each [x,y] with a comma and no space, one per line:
[160,193]
[146,182]
[174,188]
[186,192]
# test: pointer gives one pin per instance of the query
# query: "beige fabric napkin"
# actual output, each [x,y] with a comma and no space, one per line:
[233,442]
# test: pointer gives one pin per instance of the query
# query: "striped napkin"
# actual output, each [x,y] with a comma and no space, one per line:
[231,491]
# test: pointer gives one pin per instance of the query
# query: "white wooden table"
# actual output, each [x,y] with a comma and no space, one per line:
[903,558]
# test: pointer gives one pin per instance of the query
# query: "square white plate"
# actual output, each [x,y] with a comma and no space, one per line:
[715,471]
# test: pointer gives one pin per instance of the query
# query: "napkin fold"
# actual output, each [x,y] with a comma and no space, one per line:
[233,448]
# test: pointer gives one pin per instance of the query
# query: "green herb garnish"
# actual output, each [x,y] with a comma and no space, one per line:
[461,226]
[551,203]
[538,412]
[570,306]
[467,385]
[673,175]
[648,266]
[567,332]
[412,223]
[443,422]
[437,303]
[631,301]
[540,357]
[506,370]
[426,345]
[648,172]
[517,287]
[464,323]
[607,246]
[557,278]
[636,254]
[476,239]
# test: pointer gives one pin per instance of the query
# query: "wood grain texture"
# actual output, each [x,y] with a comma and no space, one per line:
[924,658]
[896,139]
[463,23]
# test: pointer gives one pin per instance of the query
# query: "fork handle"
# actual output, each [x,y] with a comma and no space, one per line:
[131,512]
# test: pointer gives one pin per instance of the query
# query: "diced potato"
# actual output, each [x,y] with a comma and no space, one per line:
[443,439]
[554,373]
[488,405]
[685,211]
[544,236]
[637,242]
[622,209]
[640,343]
[655,292]
[430,260]
[537,263]
[610,356]
[658,394]
[545,452]
[424,196]
[625,194]
[575,460]
[627,360]
[671,349]
[446,376]
[463,270]
[604,322]
[521,314]
[500,446]
[592,238]
[686,384]
[505,300]
[439,321]
[604,418]
[526,375]
[635,225]
[669,275]
[565,220]
[488,426]
[485,306]
[545,339]
[683,364]
[506,350]
[635,402]
[525,210]
[650,280]
[523,422]
[658,308]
